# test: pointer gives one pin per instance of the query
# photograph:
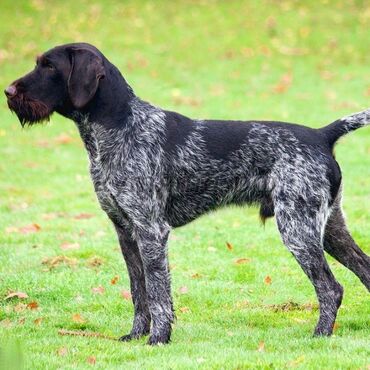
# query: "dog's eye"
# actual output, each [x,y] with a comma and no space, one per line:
[50,67]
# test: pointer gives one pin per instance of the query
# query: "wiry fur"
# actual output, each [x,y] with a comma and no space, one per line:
[153,170]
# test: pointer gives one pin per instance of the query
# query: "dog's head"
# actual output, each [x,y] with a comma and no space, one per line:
[65,79]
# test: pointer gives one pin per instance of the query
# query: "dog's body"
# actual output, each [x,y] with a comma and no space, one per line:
[153,170]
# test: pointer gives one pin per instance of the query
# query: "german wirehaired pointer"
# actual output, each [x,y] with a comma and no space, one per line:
[153,169]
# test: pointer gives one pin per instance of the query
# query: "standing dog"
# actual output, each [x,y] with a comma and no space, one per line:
[153,169]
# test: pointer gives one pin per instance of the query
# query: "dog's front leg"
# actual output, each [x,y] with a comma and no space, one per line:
[131,254]
[152,242]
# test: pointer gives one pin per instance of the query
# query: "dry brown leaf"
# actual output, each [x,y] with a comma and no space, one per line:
[283,85]
[229,246]
[95,262]
[183,290]
[20,295]
[241,261]
[98,290]
[6,323]
[126,294]
[267,280]
[68,246]
[38,321]
[32,228]
[196,276]
[91,360]
[20,307]
[21,321]
[78,318]
[33,305]
[53,262]
[261,346]
[336,326]
[114,280]
[83,216]
[63,139]
[184,309]
[62,351]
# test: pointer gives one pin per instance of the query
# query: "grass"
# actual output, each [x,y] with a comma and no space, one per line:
[303,62]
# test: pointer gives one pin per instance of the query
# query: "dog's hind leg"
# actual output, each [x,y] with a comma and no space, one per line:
[152,242]
[301,226]
[339,243]
[131,254]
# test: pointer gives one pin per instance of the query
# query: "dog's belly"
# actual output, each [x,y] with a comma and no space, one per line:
[187,202]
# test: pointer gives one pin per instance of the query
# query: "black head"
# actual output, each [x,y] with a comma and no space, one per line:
[65,79]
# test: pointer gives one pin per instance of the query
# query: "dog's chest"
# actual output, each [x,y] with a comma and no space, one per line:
[103,170]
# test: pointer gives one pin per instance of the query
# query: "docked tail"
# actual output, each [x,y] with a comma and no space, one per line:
[345,125]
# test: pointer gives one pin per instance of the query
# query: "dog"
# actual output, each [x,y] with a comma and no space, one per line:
[154,170]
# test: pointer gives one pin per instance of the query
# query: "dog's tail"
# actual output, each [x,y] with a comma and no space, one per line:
[345,125]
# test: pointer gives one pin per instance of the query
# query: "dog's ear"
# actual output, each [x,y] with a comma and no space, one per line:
[86,71]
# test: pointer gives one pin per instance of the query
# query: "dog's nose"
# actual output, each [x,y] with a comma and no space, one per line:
[10,91]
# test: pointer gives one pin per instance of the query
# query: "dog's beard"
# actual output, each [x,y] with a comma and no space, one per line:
[29,111]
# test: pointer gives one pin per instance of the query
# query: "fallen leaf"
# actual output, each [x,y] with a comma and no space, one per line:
[261,346]
[53,262]
[20,307]
[21,321]
[91,360]
[19,295]
[83,216]
[196,276]
[241,261]
[78,318]
[268,280]
[184,309]
[114,280]
[33,305]
[229,246]
[63,139]
[98,290]
[95,262]
[183,290]
[6,323]
[336,326]
[284,84]
[63,351]
[68,246]
[126,294]
[33,228]
[38,321]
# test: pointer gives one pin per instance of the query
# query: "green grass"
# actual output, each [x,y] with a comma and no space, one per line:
[303,62]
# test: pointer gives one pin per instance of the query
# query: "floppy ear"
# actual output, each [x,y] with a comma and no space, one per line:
[83,81]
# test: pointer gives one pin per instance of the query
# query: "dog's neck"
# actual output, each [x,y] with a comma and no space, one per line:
[114,94]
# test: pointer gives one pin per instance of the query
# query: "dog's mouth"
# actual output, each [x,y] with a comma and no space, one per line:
[29,111]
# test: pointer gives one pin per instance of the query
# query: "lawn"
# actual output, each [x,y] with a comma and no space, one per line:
[241,299]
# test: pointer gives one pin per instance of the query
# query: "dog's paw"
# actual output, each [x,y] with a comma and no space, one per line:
[156,340]
[322,332]
[126,338]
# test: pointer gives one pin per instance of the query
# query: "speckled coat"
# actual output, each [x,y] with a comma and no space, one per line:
[153,170]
